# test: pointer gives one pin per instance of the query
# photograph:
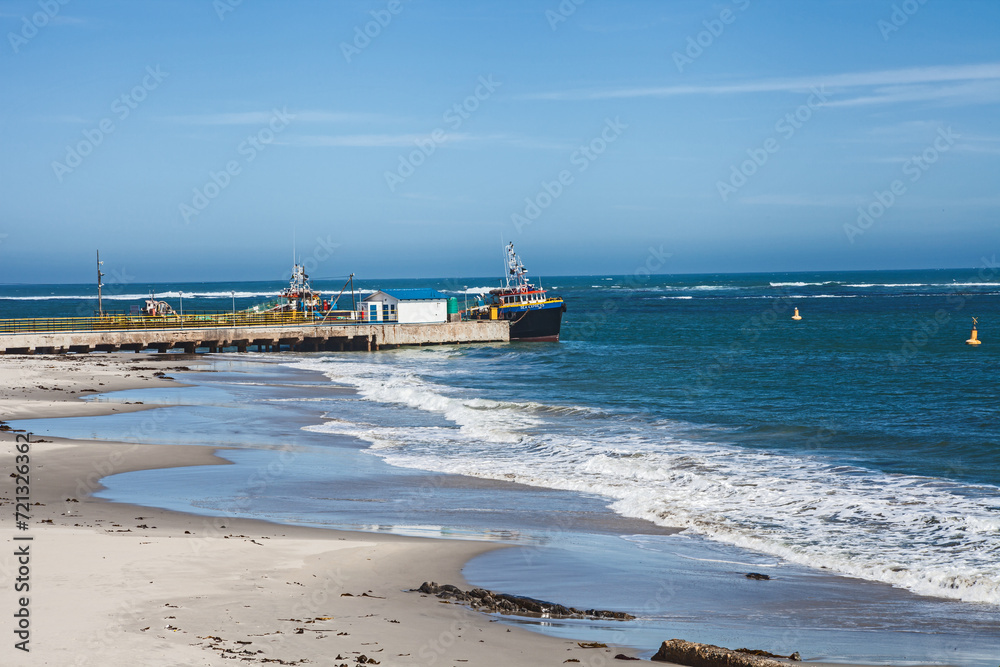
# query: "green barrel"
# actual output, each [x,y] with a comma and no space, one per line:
[452,305]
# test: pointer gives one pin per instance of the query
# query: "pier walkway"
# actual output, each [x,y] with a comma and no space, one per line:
[59,336]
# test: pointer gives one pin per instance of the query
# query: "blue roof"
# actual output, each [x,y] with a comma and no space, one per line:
[418,294]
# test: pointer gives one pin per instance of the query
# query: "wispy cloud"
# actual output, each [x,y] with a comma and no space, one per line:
[410,140]
[62,19]
[417,196]
[906,130]
[969,83]
[803,200]
[58,19]
[973,92]
[63,118]
[262,117]
[635,207]
[920,132]
[359,140]
[883,160]
[626,26]
[985,146]
[850,201]
[369,140]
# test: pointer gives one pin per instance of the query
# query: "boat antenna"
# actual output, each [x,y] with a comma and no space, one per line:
[100,302]
[353,304]
[505,272]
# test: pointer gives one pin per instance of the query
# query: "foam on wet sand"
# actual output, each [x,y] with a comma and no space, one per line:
[114,583]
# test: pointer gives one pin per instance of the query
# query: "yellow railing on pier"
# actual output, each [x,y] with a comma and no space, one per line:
[199,320]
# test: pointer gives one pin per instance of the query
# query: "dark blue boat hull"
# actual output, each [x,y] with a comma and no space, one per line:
[536,324]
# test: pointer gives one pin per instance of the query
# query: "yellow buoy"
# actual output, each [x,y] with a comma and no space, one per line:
[796,316]
[975,334]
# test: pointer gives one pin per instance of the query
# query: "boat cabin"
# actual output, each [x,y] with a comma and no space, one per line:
[506,299]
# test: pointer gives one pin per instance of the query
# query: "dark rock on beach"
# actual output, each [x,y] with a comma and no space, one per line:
[682,652]
[794,656]
[758,576]
[492,602]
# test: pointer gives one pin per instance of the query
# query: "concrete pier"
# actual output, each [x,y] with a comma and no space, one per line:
[302,338]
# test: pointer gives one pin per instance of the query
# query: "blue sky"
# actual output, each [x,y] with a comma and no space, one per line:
[193,139]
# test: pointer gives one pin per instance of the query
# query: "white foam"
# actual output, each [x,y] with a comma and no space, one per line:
[983,284]
[968,285]
[888,285]
[931,536]
[159,295]
[711,287]
[140,297]
[828,282]
[822,296]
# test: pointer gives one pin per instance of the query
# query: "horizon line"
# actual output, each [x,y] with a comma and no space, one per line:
[547,277]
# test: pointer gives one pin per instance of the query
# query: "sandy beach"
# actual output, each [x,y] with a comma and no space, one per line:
[500,333]
[113,583]
[116,584]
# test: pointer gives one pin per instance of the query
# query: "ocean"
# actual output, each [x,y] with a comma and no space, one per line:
[853,455]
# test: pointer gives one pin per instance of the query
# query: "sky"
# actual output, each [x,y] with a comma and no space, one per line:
[211,139]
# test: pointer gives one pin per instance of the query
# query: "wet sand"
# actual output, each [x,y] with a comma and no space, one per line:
[113,583]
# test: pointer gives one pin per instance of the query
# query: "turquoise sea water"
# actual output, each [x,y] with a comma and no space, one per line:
[863,440]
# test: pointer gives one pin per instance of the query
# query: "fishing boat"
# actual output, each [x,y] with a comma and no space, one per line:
[299,297]
[532,313]
[153,308]
[303,301]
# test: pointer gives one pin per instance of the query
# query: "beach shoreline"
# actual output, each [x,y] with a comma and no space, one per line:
[179,588]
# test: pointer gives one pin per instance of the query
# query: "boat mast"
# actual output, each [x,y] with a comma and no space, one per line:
[100,302]
[515,269]
[506,263]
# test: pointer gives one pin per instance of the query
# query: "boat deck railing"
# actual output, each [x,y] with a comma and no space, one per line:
[109,322]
